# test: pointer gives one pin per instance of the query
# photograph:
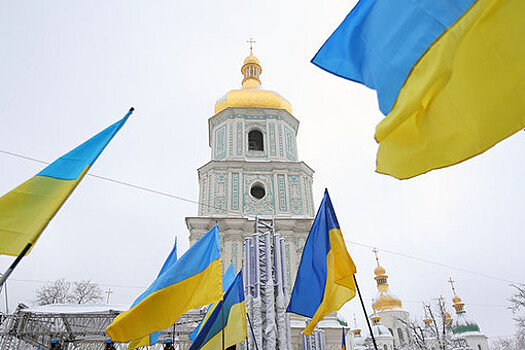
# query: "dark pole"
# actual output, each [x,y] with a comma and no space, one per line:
[222,317]
[173,339]
[14,264]
[253,334]
[366,316]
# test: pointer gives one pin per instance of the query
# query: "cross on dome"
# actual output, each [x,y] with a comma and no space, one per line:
[251,42]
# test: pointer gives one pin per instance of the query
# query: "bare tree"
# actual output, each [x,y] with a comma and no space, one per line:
[85,292]
[517,305]
[64,292]
[53,293]
[432,333]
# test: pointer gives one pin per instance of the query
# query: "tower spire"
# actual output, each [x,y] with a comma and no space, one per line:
[384,300]
[251,42]
[458,305]
[251,70]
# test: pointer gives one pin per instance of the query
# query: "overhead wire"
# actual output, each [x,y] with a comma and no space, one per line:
[223,211]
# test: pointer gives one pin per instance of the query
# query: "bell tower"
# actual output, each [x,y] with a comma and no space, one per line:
[254,171]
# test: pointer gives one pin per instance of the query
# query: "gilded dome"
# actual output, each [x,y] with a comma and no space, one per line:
[384,299]
[251,95]
[379,270]
[251,59]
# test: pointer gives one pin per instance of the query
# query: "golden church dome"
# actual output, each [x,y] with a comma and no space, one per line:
[251,95]
[380,270]
[251,59]
[384,299]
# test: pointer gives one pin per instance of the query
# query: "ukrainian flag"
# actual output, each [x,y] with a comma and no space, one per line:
[154,337]
[193,281]
[448,74]
[227,280]
[324,279]
[26,210]
[229,317]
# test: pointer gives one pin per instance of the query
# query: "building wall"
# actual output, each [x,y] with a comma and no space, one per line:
[394,320]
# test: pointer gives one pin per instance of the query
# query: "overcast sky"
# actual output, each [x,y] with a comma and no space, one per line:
[68,69]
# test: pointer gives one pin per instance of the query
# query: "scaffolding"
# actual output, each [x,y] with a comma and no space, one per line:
[265,289]
[30,329]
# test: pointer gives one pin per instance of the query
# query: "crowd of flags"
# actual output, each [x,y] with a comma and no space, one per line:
[449,80]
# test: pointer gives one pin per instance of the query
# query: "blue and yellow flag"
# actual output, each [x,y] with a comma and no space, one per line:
[227,280]
[325,278]
[229,317]
[448,76]
[193,281]
[26,210]
[154,337]
[343,346]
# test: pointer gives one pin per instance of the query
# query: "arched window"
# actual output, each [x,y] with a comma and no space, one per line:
[479,347]
[400,335]
[385,347]
[255,141]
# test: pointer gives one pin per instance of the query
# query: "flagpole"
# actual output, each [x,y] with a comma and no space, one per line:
[253,334]
[222,317]
[14,264]
[366,316]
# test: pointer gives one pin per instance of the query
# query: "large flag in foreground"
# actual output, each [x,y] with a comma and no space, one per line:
[229,317]
[227,281]
[152,339]
[325,278]
[26,210]
[193,281]
[448,74]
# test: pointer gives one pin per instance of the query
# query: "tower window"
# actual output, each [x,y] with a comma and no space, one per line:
[255,141]
[257,190]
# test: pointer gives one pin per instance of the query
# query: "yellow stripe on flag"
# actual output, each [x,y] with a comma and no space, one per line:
[26,210]
[234,332]
[150,314]
[466,93]
[340,285]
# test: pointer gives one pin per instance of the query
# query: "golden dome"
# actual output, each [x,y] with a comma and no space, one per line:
[384,300]
[379,270]
[251,95]
[251,59]
[456,299]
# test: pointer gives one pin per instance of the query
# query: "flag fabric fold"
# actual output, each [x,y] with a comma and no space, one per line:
[229,317]
[324,279]
[448,75]
[227,280]
[152,339]
[193,281]
[26,210]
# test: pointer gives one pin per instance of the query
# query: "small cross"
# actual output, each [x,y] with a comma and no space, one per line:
[452,284]
[108,292]
[375,252]
[251,42]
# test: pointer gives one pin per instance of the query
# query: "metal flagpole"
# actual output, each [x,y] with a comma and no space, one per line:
[173,338]
[366,316]
[222,316]
[14,264]
[253,334]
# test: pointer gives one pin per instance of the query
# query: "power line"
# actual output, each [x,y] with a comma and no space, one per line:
[431,262]
[169,195]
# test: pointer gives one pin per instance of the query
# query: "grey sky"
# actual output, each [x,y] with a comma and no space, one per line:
[69,69]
